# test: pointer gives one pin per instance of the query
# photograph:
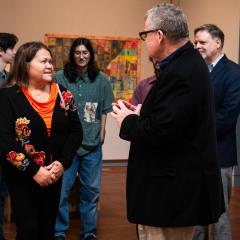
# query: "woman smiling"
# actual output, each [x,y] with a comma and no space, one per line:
[39,136]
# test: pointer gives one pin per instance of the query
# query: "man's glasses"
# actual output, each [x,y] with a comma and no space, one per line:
[143,35]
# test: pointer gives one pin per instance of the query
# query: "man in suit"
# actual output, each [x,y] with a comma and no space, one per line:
[173,177]
[7,53]
[225,76]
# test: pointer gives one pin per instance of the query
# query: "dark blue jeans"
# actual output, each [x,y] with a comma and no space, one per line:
[89,168]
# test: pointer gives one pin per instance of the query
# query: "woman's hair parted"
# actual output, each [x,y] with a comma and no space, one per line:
[24,55]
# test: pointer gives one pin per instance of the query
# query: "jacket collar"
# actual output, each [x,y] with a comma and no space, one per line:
[164,63]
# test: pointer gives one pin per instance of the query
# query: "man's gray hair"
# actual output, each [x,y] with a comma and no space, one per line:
[170,19]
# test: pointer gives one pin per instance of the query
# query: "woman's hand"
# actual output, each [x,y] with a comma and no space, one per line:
[56,169]
[43,177]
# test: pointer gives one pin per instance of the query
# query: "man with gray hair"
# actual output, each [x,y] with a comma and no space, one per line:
[225,76]
[173,177]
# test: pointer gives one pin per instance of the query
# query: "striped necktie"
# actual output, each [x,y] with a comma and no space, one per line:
[210,67]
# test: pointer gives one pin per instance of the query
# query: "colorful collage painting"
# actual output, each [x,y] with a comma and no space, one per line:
[119,58]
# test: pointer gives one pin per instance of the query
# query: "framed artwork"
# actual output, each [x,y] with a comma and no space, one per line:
[119,58]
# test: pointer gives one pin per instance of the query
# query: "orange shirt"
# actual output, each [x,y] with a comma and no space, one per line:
[45,109]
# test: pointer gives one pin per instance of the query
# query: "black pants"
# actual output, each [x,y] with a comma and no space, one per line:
[3,194]
[35,209]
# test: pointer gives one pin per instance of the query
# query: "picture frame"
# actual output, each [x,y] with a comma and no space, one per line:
[118,57]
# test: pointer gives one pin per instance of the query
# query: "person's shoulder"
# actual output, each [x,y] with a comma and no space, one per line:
[60,77]
[102,77]
[59,73]
[232,64]
[189,58]
[230,68]
[9,91]
[101,74]
[147,80]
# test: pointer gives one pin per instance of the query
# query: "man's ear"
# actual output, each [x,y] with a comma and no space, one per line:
[160,35]
[1,52]
[219,43]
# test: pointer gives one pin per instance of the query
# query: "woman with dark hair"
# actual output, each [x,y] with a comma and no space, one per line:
[39,134]
[93,96]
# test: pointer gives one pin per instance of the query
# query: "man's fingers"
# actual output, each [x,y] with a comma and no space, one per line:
[121,104]
[114,115]
[138,108]
[48,167]
[115,109]
[129,105]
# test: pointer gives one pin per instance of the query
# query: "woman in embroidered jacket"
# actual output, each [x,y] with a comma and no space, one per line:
[39,134]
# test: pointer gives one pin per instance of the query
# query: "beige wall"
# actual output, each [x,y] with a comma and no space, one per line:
[30,20]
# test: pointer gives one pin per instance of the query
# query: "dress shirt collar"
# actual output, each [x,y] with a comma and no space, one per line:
[163,64]
[217,60]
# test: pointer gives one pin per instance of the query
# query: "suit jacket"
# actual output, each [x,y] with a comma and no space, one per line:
[226,81]
[173,176]
[61,145]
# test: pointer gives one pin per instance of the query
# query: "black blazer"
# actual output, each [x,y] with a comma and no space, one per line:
[173,176]
[61,145]
[226,81]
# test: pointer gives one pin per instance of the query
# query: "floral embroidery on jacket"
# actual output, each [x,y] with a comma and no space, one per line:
[23,133]
[38,157]
[22,130]
[67,102]
[18,160]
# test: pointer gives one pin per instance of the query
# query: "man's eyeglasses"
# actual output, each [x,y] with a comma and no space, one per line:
[143,35]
